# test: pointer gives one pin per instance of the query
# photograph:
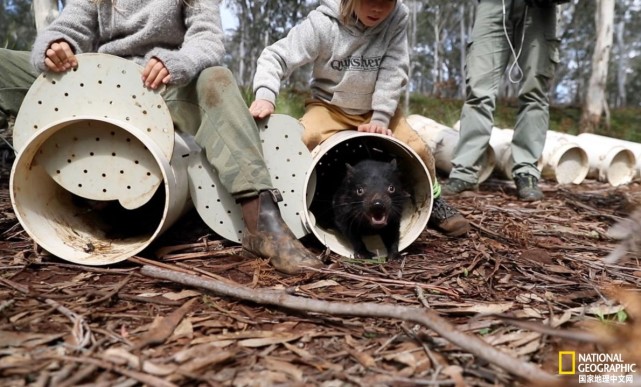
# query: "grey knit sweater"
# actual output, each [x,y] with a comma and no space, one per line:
[356,68]
[186,37]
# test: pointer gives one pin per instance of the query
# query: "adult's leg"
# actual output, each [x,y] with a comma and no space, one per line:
[16,77]
[444,218]
[486,60]
[538,61]
[212,109]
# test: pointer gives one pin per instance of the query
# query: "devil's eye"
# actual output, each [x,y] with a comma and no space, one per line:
[391,189]
[360,191]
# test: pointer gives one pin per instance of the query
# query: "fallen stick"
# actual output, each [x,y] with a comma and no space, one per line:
[425,317]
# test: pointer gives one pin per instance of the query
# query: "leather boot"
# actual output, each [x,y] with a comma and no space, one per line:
[268,236]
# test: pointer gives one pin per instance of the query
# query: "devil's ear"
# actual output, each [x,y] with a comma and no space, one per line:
[349,170]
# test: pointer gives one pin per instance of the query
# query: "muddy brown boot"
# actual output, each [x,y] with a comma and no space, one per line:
[447,219]
[268,236]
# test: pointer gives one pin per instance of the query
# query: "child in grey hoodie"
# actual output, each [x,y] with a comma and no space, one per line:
[180,44]
[358,50]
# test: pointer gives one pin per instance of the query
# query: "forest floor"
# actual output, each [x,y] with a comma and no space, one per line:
[528,280]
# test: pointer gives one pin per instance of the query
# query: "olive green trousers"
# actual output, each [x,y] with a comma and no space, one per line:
[532,33]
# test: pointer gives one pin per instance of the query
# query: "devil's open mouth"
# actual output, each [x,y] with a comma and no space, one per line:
[378,219]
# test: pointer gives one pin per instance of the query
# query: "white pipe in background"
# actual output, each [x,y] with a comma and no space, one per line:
[442,140]
[609,161]
[635,147]
[563,160]
[501,142]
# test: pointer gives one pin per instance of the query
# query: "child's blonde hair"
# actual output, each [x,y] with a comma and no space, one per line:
[348,9]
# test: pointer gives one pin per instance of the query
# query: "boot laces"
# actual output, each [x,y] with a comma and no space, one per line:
[525,180]
[442,210]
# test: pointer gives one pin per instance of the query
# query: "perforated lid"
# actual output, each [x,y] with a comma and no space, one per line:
[98,160]
[91,158]
[287,160]
[103,86]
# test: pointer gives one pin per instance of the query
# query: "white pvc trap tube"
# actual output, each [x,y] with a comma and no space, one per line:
[89,231]
[563,160]
[324,175]
[100,172]
[609,160]
[442,140]
[501,142]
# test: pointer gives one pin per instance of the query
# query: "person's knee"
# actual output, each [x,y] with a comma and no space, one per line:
[219,73]
[217,77]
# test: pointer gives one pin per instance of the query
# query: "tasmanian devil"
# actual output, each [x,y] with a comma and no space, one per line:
[369,201]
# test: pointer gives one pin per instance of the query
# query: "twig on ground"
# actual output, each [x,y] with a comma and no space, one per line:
[425,317]
[547,330]
[141,377]
[80,331]
[441,289]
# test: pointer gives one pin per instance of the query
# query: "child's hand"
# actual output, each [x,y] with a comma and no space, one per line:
[374,128]
[261,108]
[59,57]
[155,73]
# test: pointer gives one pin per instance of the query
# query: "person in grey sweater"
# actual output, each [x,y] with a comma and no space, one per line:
[358,50]
[179,44]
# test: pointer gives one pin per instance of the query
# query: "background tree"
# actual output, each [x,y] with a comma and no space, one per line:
[595,101]
[17,25]
[44,12]
[260,23]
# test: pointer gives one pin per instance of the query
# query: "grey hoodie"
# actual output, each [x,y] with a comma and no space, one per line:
[356,68]
[185,35]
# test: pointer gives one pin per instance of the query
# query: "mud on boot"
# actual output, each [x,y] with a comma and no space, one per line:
[447,220]
[455,186]
[267,235]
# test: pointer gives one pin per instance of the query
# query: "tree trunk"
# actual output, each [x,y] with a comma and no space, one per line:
[436,45]
[595,101]
[44,11]
[621,99]
[463,50]
[412,43]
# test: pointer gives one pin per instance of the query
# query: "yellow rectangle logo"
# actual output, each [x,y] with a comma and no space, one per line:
[563,370]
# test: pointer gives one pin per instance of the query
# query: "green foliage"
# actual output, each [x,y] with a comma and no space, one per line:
[291,102]
[621,316]
[445,111]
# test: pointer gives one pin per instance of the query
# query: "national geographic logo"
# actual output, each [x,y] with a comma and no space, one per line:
[357,63]
[567,362]
[601,368]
